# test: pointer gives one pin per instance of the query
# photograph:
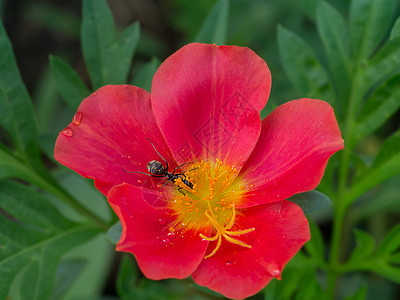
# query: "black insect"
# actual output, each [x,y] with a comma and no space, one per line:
[157,169]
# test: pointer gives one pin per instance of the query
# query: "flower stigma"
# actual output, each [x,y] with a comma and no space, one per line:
[209,200]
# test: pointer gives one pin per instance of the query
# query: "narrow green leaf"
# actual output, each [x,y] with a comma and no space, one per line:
[127,46]
[215,25]
[67,272]
[389,152]
[383,64]
[359,295]
[35,236]
[369,23]
[16,109]
[129,286]
[98,40]
[114,233]
[364,248]
[310,7]
[71,87]
[389,272]
[108,60]
[316,247]
[309,287]
[333,32]
[386,165]
[10,166]
[38,279]
[145,75]
[384,103]
[302,66]
[311,201]
[395,33]
[127,277]
[390,243]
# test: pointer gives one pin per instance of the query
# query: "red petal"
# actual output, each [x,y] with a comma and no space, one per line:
[146,234]
[281,229]
[207,99]
[290,157]
[108,135]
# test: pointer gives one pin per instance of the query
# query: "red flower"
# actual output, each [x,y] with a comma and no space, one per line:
[223,219]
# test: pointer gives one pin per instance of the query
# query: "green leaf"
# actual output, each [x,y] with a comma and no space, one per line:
[333,32]
[361,294]
[395,33]
[145,75]
[390,243]
[114,233]
[311,201]
[389,153]
[98,40]
[16,109]
[127,46]
[310,7]
[386,165]
[214,28]
[71,87]
[34,236]
[126,280]
[365,246]
[383,64]
[67,272]
[129,286]
[384,103]
[389,272]
[316,247]
[302,66]
[369,23]
[108,60]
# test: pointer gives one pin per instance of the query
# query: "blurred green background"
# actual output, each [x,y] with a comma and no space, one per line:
[38,29]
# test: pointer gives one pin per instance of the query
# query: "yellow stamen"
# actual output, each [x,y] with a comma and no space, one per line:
[210,200]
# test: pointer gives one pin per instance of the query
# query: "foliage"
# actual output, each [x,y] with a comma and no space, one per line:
[350,57]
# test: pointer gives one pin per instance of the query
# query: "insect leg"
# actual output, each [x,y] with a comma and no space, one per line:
[183,165]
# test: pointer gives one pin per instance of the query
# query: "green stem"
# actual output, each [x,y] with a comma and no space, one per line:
[10,162]
[341,203]
[64,196]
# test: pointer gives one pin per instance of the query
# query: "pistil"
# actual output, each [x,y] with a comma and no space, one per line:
[209,201]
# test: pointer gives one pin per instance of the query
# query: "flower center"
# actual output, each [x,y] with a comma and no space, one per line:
[207,195]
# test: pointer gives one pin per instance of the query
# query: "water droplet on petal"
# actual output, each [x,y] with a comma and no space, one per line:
[68,132]
[251,185]
[171,235]
[277,196]
[229,263]
[161,221]
[267,179]
[94,94]
[284,236]
[129,157]
[275,272]
[166,241]
[140,181]
[122,156]
[76,120]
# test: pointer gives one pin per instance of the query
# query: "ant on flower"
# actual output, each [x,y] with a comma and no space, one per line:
[157,169]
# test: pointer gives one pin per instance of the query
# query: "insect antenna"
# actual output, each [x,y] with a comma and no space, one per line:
[154,147]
